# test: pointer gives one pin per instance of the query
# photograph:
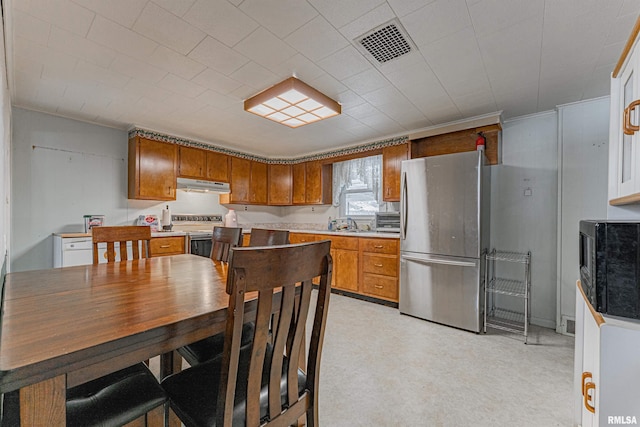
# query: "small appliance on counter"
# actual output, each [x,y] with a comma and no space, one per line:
[388,222]
[91,221]
[610,266]
[167,224]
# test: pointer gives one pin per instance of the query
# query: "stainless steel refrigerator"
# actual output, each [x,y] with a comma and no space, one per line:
[444,228]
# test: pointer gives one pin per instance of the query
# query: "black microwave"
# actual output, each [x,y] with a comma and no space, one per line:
[610,266]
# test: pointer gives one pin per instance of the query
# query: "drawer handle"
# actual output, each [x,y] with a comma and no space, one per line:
[378,286]
[377,265]
[378,246]
[587,386]
[629,128]
[165,246]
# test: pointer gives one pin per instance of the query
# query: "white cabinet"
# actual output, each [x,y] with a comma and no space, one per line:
[71,251]
[606,368]
[624,128]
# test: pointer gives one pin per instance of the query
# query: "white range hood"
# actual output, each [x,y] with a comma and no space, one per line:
[202,186]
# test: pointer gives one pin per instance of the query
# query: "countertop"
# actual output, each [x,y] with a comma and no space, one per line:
[382,235]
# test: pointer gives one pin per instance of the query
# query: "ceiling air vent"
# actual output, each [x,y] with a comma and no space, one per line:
[387,42]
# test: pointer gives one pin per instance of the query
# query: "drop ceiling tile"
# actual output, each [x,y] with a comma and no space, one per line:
[30,28]
[404,113]
[452,57]
[167,29]
[340,13]
[599,83]
[181,86]
[212,79]
[171,61]
[27,67]
[621,28]
[121,39]
[383,124]
[299,66]
[218,100]
[328,85]
[131,67]
[349,99]
[88,72]
[243,92]
[153,109]
[366,81]
[64,13]
[58,69]
[221,20]
[264,48]
[609,55]
[185,105]
[80,47]
[255,75]
[281,17]
[124,12]
[489,16]
[317,39]
[404,7]
[345,63]
[518,101]
[177,7]
[387,94]
[630,7]
[436,20]
[218,56]
[367,22]
[138,89]
[361,111]
[476,104]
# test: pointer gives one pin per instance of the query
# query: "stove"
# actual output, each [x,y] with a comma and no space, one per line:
[199,229]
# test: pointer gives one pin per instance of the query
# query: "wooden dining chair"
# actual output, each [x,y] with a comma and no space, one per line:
[138,235]
[259,383]
[224,238]
[265,237]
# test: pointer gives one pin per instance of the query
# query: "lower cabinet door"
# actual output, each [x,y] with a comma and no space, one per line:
[345,270]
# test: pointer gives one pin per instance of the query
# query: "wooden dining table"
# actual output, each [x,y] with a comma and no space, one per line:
[64,326]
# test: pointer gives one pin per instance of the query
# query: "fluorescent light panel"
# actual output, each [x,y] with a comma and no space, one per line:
[292,103]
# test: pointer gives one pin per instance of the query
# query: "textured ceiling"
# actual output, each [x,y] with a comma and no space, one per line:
[184,67]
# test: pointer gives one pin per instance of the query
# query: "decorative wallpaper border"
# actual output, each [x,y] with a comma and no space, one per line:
[156,136]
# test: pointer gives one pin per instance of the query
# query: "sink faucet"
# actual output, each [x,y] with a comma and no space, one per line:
[351,224]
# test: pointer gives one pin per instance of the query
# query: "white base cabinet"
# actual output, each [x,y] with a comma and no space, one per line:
[606,368]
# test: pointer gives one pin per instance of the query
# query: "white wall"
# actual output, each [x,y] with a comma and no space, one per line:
[64,169]
[584,150]
[528,223]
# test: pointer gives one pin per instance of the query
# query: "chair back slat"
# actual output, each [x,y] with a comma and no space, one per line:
[265,237]
[277,273]
[138,235]
[224,238]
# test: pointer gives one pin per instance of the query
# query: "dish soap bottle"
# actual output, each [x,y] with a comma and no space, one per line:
[329,225]
[230,219]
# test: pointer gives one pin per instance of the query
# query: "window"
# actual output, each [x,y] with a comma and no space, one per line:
[357,188]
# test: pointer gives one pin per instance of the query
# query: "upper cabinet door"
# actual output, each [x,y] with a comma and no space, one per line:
[217,167]
[240,179]
[318,183]
[280,183]
[392,158]
[258,183]
[298,171]
[192,162]
[152,169]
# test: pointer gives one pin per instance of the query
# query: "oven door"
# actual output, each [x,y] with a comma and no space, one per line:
[200,246]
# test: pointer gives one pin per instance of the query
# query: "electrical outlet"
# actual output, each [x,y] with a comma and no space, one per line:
[313,208]
[246,208]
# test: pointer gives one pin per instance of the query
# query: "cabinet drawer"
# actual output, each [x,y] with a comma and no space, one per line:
[380,286]
[167,246]
[381,246]
[386,265]
[342,242]
[302,237]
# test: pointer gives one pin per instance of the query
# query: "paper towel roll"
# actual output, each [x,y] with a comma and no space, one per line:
[166,217]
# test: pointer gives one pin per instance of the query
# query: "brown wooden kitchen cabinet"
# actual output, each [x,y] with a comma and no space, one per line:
[280,185]
[192,162]
[152,170]
[379,268]
[248,182]
[344,251]
[298,172]
[258,183]
[171,245]
[312,183]
[392,158]
[217,166]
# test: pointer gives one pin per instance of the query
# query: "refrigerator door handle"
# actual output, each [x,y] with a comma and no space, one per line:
[403,208]
[439,261]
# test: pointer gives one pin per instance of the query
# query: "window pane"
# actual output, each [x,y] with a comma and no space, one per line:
[361,203]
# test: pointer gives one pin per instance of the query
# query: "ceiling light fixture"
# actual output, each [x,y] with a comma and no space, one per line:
[292,103]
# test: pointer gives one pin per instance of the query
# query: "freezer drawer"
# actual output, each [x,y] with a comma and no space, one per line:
[441,289]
